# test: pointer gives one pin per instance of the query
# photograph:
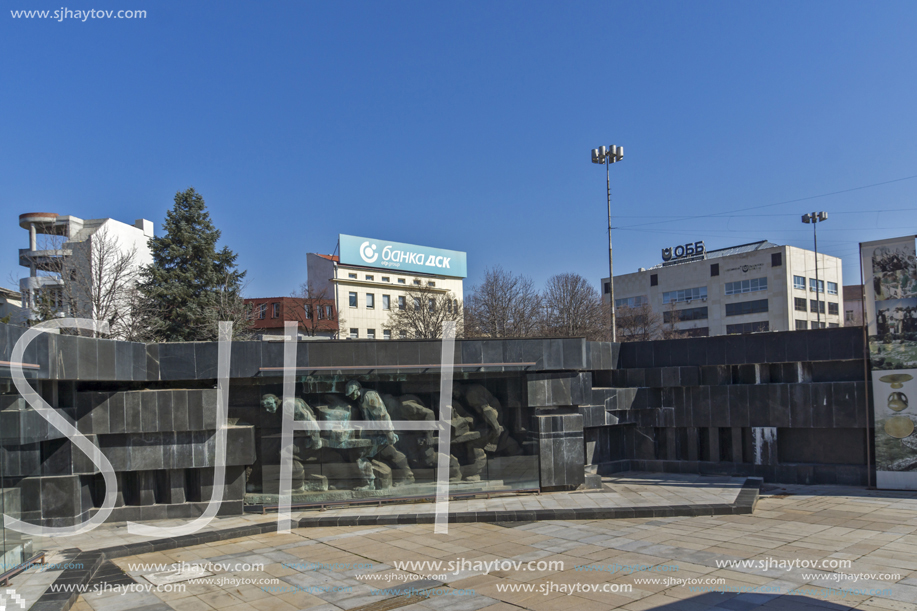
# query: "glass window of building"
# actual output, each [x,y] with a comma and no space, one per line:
[832,325]
[777,259]
[354,333]
[370,300]
[802,325]
[308,311]
[819,283]
[631,302]
[353,299]
[386,279]
[321,312]
[832,288]
[431,283]
[275,310]
[417,303]
[329,312]
[799,282]
[402,334]
[386,334]
[386,302]
[401,302]
[369,277]
[370,334]
[817,325]
[352,276]
[746,307]
[686,314]
[431,303]
[833,308]
[800,304]
[262,310]
[748,327]
[416,282]
[848,315]
[401,281]
[746,286]
[816,306]
[699,292]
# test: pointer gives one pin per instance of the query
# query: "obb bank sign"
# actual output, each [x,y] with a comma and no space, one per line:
[369,252]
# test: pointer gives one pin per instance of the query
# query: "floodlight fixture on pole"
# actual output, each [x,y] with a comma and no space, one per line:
[814,218]
[607,155]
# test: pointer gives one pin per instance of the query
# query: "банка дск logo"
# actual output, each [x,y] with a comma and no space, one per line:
[368,252]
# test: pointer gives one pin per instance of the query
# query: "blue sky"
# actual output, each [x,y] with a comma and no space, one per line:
[467,126]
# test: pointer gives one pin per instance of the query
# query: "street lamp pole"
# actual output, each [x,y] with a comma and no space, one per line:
[609,155]
[814,218]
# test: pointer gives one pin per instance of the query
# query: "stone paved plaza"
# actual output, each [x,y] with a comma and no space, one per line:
[873,530]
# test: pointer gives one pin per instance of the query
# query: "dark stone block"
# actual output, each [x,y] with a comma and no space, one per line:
[696,351]
[132,412]
[652,377]
[715,375]
[837,371]
[662,351]
[116,415]
[735,349]
[683,412]
[758,406]
[152,361]
[176,361]
[716,350]
[654,397]
[272,354]
[689,376]
[138,362]
[719,406]
[775,347]
[149,411]
[744,374]
[845,404]
[627,355]
[779,405]
[116,449]
[245,359]
[60,497]
[700,404]
[88,366]
[491,351]
[797,348]
[472,352]
[68,357]
[553,354]
[574,353]
[124,361]
[644,355]
[209,403]
[179,410]
[862,405]
[106,359]
[755,348]
[146,452]
[822,406]
[206,357]
[195,410]
[819,343]
[800,405]
[164,409]
[671,377]
[636,377]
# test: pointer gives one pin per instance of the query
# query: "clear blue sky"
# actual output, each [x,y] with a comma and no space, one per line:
[466,125]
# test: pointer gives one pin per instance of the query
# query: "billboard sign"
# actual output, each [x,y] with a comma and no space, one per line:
[890,293]
[405,258]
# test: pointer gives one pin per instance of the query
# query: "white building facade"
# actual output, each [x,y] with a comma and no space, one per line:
[370,278]
[61,247]
[748,288]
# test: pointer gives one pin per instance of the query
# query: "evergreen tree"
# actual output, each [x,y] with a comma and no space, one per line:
[191,285]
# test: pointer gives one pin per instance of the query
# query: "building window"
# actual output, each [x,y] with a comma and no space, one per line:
[800,304]
[275,310]
[368,277]
[431,283]
[848,315]
[777,259]
[799,283]
[329,312]
[746,286]
[353,300]
[802,325]
[631,302]
[416,282]
[386,334]
[416,303]
[386,279]
[262,310]
[684,295]
[820,283]
[654,279]
[688,314]
[746,307]
[431,303]
[401,281]
[832,325]
[606,286]
[401,303]
[715,269]
[832,288]
[354,334]
[386,302]
[816,306]
[817,325]
[352,276]
[402,334]
[748,327]
[370,334]
[308,311]
[370,300]
[832,309]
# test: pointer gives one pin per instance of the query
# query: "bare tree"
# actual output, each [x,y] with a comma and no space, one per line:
[639,323]
[423,313]
[573,308]
[313,309]
[95,278]
[503,305]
